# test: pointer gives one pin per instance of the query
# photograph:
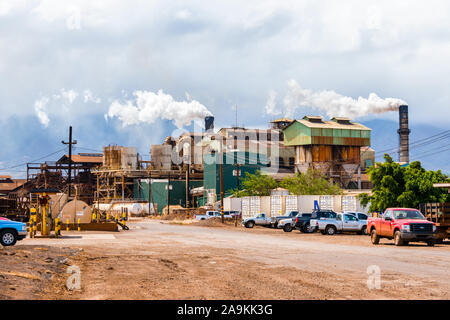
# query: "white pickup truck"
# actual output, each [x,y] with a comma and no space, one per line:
[211,214]
[344,222]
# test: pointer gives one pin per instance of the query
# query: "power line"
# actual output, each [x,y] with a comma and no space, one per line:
[22,164]
[443,135]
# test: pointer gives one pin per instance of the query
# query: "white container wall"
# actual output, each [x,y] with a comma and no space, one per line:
[306,203]
[245,207]
[348,203]
[291,203]
[232,204]
[265,205]
[326,202]
[255,206]
[276,206]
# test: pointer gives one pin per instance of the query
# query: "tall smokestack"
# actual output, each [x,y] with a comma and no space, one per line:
[404,134]
[209,124]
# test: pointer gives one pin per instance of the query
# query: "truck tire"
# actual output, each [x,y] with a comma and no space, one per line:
[250,224]
[431,243]
[398,241]
[363,230]
[308,229]
[374,237]
[8,238]
[287,228]
[330,230]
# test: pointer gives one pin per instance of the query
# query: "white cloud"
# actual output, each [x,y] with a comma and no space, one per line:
[40,110]
[89,97]
[69,95]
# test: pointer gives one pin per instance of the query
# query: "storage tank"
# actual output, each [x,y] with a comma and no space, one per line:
[134,209]
[57,203]
[76,209]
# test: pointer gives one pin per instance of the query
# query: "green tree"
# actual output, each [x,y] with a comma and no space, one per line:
[395,186]
[255,185]
[310,183]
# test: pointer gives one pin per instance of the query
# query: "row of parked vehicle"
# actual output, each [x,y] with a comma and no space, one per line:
[403,225]
[325,221]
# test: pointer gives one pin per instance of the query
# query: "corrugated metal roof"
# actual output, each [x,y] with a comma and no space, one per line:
[82,159]
[282,120]
[334,125]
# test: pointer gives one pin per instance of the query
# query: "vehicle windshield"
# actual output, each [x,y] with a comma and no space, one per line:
[408,214]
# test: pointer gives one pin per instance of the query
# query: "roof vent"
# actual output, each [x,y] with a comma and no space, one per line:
[341,120]
[313,118]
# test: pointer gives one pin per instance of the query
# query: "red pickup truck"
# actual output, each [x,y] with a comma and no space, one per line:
[402,225]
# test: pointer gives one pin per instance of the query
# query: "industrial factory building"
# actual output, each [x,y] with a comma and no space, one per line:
[333,147]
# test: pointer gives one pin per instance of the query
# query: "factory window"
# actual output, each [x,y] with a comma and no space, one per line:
[356,134]
[291,161]
[365,134]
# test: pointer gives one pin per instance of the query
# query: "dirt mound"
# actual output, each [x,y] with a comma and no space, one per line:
[217,222]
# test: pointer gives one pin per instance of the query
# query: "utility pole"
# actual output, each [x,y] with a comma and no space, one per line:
[70,143]
[168,195]
[221,188]
[187,187]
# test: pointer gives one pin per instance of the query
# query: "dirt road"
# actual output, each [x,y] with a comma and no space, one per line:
[159,260]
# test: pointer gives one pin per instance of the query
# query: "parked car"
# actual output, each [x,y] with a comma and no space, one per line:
[302,222]
[290,215]
[288,224]
[403,225]
[359,215]
[11,232]
[233,214]
[342,222]
[259,220]
[211,214]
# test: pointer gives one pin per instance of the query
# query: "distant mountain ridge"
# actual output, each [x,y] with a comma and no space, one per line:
[385,137]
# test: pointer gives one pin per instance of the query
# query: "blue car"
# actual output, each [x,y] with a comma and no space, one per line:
[11,232]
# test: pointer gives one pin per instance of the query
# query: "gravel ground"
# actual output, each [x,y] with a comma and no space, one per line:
[161,260]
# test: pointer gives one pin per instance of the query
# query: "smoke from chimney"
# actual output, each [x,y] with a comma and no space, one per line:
[332,103]
[149,106]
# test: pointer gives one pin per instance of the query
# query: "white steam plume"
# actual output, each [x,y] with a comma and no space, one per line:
[335,104]
[150,106]
[271,105]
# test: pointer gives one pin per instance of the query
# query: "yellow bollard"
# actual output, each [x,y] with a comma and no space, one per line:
[79,227]
[93,217]
[107,216]
[124,218]
[67,225]
[57,227]
[30,228]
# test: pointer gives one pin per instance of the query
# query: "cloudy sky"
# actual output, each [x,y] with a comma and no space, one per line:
[132,72]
